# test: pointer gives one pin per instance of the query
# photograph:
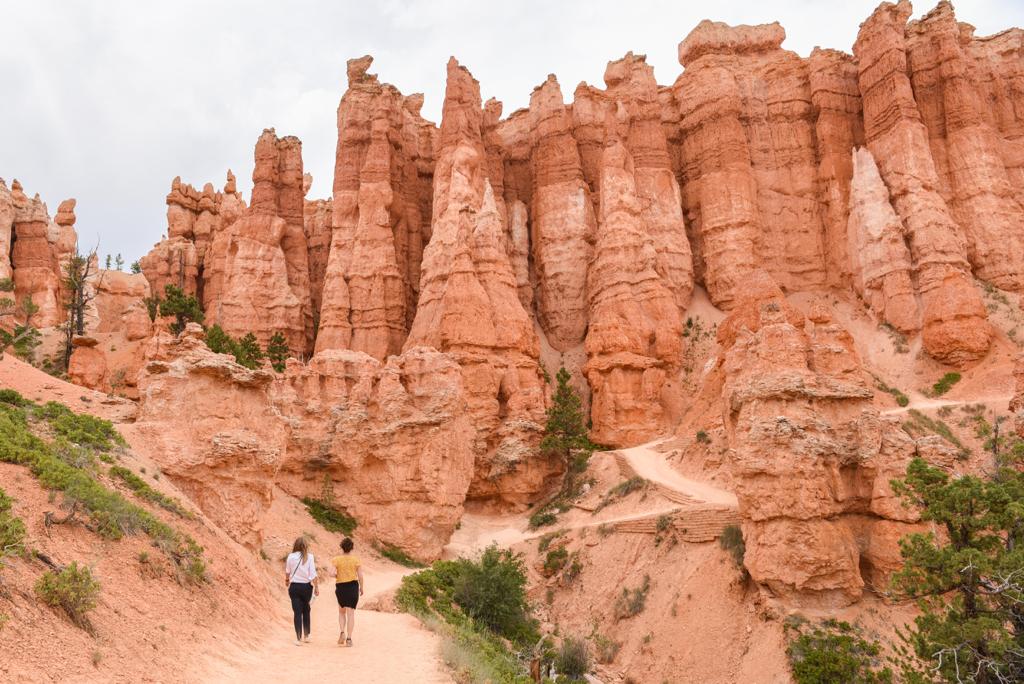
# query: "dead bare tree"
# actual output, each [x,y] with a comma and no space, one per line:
[79,291]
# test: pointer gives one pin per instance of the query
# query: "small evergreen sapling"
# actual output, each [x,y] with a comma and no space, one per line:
[184,308]
[277,351]
[249,353]
[565,433]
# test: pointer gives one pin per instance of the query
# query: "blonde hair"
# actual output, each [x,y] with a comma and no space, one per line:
[302,547]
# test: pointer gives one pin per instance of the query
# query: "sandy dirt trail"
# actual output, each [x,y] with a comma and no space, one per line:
[939,403]
[651,465]
[389,648]
[477,531]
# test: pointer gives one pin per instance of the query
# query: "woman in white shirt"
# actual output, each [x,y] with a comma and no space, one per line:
[300,579]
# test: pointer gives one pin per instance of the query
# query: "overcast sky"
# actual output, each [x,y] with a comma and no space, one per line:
[108,101]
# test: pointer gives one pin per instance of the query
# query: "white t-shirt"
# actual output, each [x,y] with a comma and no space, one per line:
[304,573]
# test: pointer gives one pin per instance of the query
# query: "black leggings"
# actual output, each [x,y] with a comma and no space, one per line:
[300,593]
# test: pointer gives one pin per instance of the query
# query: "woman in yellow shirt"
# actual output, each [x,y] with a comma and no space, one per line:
[348,587]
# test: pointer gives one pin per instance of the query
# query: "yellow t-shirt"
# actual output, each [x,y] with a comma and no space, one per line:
[345,566]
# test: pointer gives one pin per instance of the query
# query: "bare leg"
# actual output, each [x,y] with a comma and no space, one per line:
[341,624]
[351,613]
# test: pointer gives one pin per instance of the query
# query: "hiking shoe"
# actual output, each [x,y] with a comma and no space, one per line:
[348,642]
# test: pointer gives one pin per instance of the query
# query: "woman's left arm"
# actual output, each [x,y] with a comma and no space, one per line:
[359,574]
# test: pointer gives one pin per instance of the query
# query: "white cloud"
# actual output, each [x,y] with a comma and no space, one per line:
[108,101]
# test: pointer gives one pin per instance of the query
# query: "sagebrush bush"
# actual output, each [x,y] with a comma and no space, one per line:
[631,602]
[573,659]
[606,649]
[73,589]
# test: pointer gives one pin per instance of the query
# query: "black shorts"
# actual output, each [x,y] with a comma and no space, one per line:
[347,593]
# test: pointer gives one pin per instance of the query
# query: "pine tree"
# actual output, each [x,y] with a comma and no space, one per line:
[219,341]
[565,433]
[183,307]
[277,351]
[107,263]
[249,352]
[136,267]
[969,584]
[119,262]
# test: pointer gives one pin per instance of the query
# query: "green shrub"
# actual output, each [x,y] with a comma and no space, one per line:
[397,555]
[73,589]
[573,659]
[945,384]
[834,652]
[555,560]
[542,518]
[631,602]
[731,540]
[144,491]
[492,591]
[12,397]
[330,517]
[12,529]
[80,428]
[489,592]
[702,437]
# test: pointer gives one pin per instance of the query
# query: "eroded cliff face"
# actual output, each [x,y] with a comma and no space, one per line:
[213,430]
[35,250]
[812,457]
[381,217]
[953,319]
[469,307]
[395,438]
